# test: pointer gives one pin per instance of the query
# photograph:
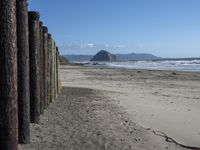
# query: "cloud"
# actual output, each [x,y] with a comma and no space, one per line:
[77,46]
[89,47]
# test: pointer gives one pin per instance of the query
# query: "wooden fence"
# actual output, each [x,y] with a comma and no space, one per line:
[29,72]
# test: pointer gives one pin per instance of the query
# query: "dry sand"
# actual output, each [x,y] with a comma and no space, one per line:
[110,109]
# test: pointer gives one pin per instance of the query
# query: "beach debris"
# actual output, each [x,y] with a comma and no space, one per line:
[174,73]
[171,140]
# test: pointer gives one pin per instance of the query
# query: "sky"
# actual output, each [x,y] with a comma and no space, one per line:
[165,28]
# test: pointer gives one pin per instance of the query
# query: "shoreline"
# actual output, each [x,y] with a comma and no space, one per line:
[99,65]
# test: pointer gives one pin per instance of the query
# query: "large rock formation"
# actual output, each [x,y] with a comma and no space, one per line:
[104,56]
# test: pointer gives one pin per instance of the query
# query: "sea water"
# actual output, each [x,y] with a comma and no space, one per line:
[176,65]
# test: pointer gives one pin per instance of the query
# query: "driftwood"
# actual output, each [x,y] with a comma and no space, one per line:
[171,140]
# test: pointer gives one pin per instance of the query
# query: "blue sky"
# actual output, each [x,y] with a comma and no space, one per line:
[166,28]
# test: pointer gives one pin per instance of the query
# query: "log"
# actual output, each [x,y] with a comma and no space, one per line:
[34,49]
[45,63]
[8,76]
[23,72]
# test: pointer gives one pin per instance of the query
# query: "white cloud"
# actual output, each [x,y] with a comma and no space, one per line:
[88,45]
[91,45]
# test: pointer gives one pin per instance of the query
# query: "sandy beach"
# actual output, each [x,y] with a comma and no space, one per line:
[118,109]
[162,100]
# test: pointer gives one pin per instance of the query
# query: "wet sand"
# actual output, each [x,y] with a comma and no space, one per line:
[114,109]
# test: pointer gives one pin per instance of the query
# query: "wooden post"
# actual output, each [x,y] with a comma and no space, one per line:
[8,76]
[41,70]
[45,63]
[59,81]
[52,69]
[57,68]
[55,72]
[23,72]
[49,68]
[34,47]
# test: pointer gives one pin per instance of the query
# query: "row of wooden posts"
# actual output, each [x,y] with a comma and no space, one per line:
[29,72]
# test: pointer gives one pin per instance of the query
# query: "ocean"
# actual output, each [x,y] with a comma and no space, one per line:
[176,65]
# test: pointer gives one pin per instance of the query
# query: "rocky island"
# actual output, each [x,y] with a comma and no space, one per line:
[104,56]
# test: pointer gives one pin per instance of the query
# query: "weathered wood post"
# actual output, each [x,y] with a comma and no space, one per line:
[23,72]
[52,71]
[41,70]
[8,76]
[49,68]
[55,72]
[57,68]
[34,47]
[59,81]
[45,69]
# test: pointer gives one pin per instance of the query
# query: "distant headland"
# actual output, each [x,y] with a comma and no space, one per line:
[104,55]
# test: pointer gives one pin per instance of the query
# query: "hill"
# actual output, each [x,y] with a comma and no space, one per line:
[104,56]
[136,56]
[119,57]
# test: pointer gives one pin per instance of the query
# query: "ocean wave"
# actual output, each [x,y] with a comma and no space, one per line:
[179,65]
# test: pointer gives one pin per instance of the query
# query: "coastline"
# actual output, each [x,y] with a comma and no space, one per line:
[156,65]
